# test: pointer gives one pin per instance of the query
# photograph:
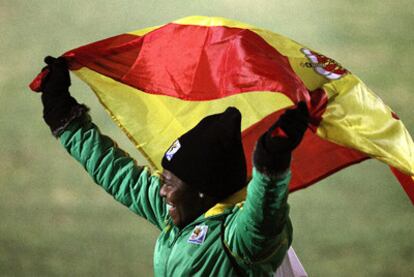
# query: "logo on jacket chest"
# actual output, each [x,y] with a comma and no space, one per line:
[198,235]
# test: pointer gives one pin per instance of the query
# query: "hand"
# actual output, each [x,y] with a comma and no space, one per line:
[287,133]
[58,79]
[272,154]
[59,107]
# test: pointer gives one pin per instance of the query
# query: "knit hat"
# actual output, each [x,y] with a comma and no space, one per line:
[210,156]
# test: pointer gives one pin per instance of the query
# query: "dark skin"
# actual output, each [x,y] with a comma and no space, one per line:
[184,200]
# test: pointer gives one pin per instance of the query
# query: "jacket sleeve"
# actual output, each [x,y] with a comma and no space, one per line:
[116,172]
[260,232]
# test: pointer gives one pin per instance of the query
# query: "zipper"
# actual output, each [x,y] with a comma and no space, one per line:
[172,245]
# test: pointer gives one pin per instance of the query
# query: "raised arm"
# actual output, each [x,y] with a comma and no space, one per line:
[261,232]
[110,167]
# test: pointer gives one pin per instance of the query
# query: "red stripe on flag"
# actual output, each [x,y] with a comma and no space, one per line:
[315,158]
[193,62]
[312,161]
[406,182]
[112,57]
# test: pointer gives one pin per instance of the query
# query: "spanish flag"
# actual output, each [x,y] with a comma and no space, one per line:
[158,82]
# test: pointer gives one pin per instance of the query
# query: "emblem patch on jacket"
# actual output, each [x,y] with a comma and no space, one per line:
[198,235]
[173,149]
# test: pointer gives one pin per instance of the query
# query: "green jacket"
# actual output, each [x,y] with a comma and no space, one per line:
[257,231]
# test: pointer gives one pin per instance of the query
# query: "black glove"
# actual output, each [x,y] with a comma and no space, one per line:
[273,150]
[58,79]
[59,108]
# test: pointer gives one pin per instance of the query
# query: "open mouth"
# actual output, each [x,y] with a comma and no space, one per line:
[171,208]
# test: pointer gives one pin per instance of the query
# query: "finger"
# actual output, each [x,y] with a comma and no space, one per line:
[295,116]
[290,123]
[303,108]
[293,128]
[61,61]
[50,60]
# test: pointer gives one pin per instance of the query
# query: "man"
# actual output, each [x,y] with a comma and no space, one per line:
[206,227]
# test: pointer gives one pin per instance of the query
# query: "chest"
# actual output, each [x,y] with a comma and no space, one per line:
[195,250]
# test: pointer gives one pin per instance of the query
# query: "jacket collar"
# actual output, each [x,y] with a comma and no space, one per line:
[229,202]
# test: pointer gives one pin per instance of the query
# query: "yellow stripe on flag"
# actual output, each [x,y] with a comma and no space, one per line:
[359,119]
[143,31]
[154,131]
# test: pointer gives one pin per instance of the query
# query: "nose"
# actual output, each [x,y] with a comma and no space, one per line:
[163,191]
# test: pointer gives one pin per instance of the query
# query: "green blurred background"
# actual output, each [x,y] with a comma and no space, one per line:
[55,222]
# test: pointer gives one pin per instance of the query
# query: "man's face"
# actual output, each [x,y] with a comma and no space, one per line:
[184,202]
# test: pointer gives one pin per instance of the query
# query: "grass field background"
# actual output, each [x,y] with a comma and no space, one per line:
[55,222]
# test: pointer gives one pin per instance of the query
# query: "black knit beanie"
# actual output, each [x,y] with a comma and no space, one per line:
[210,156]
